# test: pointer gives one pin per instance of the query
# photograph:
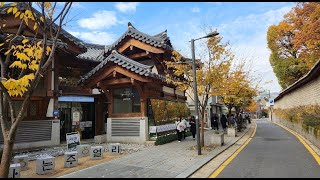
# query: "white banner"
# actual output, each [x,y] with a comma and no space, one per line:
[162,128]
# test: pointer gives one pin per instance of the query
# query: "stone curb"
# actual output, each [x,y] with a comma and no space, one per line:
[197,166]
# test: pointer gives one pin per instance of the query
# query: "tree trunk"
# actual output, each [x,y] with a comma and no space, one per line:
[202,128]
[6,158]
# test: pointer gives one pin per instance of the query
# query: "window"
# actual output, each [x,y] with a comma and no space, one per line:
[126,100]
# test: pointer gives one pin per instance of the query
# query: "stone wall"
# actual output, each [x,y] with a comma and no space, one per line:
[309,132]
[305,95]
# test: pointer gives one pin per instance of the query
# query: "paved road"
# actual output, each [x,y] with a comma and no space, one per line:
[175,159]
[273,152]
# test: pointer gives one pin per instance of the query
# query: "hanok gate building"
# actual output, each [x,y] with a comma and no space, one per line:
[99,90]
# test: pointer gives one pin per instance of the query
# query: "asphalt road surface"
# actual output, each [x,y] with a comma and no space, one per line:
[272,153]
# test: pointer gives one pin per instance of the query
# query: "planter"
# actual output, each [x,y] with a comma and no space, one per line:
[216,139]
[231,132]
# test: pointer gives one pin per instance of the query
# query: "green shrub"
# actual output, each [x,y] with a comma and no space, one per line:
[169,138]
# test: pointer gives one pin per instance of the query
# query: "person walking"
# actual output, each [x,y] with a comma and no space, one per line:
[192,123]
[180,128]
[185,123]
[224,122]
[214,122]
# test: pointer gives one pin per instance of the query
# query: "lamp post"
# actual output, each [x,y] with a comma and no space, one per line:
[195,87]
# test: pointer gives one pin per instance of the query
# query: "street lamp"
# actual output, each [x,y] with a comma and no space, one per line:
[212,34]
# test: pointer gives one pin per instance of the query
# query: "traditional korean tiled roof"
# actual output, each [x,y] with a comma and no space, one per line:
[160,40]
[94,52]
[23,6]
[119,59]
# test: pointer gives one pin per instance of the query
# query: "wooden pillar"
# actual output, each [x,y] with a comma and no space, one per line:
[143,99]
[99,125]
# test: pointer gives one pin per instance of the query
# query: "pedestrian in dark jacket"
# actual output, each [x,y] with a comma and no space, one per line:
[214,122]
[224,122]
[192,123]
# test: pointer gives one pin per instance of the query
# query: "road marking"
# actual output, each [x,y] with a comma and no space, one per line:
[313,153]
[225,163]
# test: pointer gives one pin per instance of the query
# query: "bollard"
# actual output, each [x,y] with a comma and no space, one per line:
[96,152]
[114,148]
[45,165]
[14,171]
[70,159]
[83,150]
[23,160]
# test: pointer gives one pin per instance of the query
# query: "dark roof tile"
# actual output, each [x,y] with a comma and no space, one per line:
[125,62]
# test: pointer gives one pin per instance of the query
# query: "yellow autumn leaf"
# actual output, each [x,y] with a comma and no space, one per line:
[25,19]
[4,25]
[21,15]
[13,4]
[14,10]
[9,10]
[41,18]
[2,4]
[25,41]
[39,43]
[17,14]
[35,26]
[18,64]
[48,50]
[1,44]
[33,67]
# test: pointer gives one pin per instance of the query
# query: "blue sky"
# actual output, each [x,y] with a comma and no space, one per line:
[243,24]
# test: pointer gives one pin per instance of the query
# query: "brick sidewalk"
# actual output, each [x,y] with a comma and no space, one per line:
[175,159]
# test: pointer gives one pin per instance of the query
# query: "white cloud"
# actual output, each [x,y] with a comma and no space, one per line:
[97,37]
[195,10]
[126,7]
[100,20]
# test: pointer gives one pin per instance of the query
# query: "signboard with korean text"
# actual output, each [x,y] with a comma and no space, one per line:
[73,139]
[76,116]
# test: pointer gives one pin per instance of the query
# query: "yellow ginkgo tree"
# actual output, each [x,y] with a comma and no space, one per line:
[210,74]
[239,88]
[24,60]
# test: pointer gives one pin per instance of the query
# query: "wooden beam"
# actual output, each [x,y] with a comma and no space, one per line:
[132,74]
[113,82]
[140,45]
[138,55]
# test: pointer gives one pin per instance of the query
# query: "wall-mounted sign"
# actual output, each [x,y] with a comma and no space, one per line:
[271,101]
[82,125]
[73,139]
[88,123]
[56,113]
[76,116]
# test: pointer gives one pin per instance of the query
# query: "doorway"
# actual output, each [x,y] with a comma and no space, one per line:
[65,123]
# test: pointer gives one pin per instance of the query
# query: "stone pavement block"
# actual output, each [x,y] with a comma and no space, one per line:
[96,152]
[114,148]
[45,165]
[70,159]
[23,160]
[14,171]
[83,150]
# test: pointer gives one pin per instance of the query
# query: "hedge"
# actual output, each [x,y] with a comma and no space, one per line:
[169,138]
